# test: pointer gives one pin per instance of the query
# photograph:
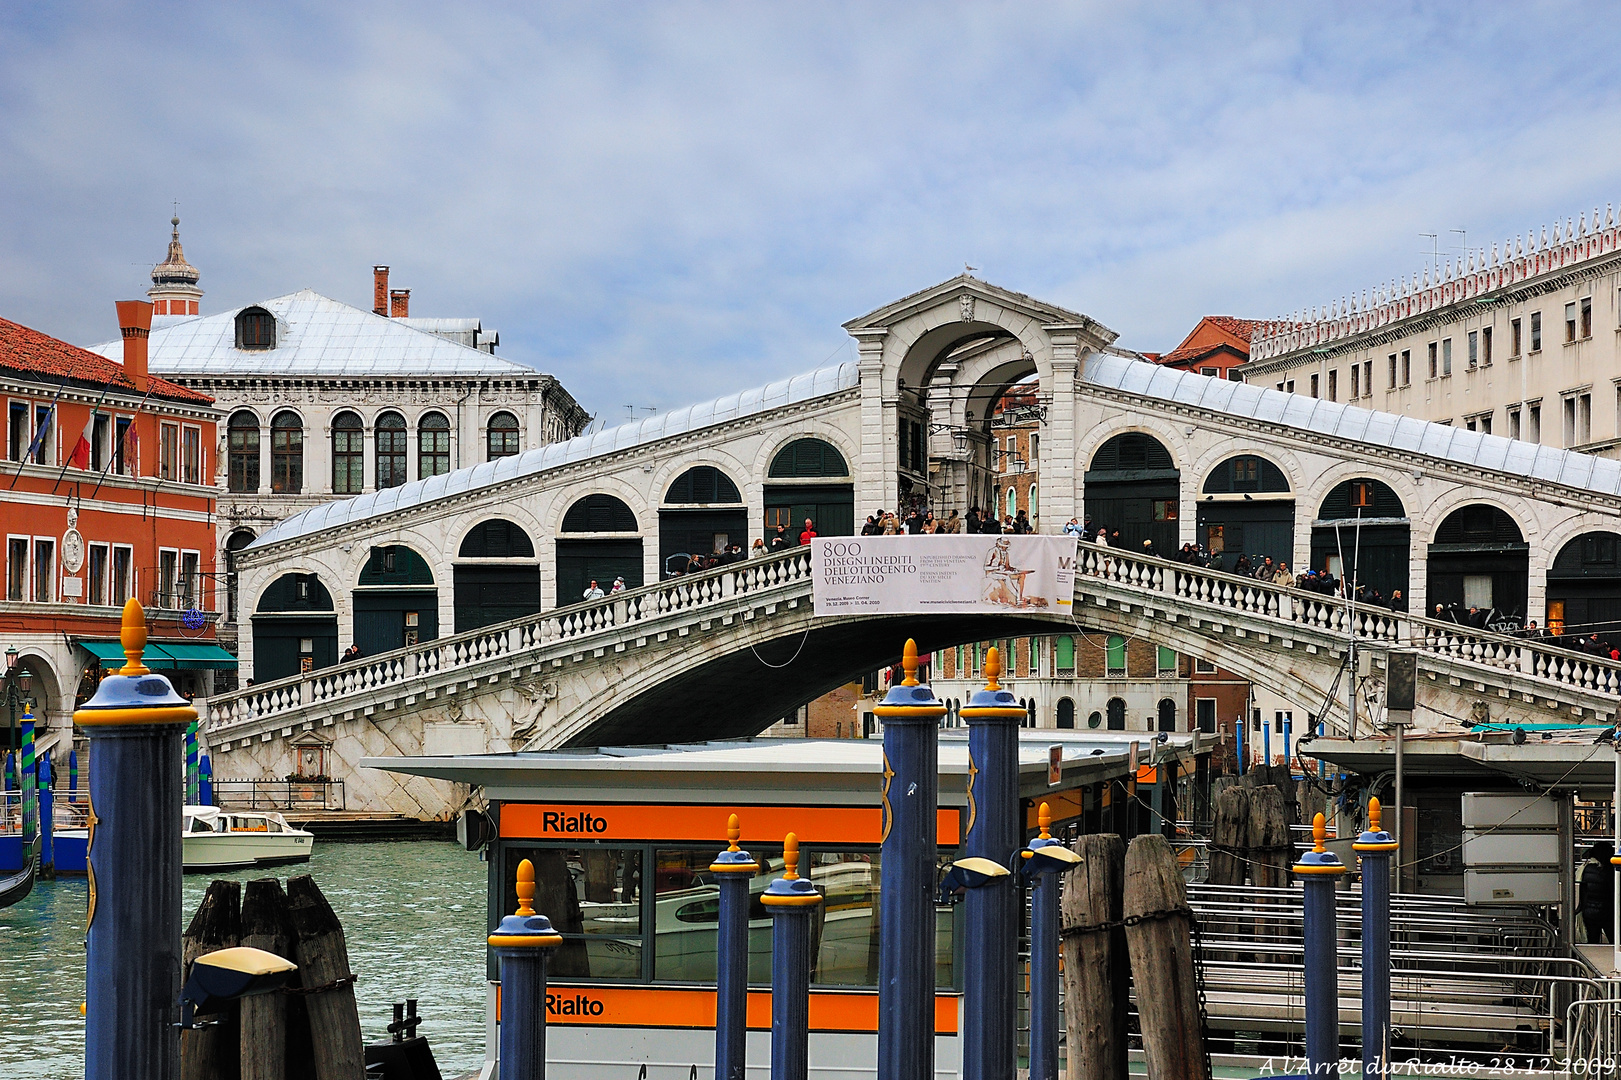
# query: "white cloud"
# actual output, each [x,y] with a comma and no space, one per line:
[666,202]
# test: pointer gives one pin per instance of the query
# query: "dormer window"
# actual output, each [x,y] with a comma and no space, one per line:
[255,329]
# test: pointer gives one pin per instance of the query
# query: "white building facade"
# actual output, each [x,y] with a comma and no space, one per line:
[1522,341]
[326,401]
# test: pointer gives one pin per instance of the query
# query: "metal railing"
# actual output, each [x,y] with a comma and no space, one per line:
[279,794]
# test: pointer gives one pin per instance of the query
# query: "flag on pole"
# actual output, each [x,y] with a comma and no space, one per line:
[80,458]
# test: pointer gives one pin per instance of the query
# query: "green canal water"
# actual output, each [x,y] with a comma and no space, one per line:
[413,914]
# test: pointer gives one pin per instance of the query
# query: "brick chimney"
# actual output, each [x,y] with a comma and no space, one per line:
[379,304]
[399,303]
[135,323]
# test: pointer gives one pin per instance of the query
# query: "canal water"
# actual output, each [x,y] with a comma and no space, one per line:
[412,912]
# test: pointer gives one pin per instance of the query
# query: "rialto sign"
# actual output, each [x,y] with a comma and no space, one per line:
[970,573]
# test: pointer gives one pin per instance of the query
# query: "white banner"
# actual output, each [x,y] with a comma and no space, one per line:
[952,573]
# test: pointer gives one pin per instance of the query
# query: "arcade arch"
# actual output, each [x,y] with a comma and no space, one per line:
[599,540]
[1246,508]
[496,576]
[1133,488]
[1479,560]
[295,627]
[395,601]
[1362,525]
[703,513]
[1584,587]
[809,478]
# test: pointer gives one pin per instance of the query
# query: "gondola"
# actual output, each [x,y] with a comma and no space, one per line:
[15,887]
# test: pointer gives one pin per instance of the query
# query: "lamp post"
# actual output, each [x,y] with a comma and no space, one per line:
[132,978]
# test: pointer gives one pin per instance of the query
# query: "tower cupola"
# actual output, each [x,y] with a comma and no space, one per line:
[174,288]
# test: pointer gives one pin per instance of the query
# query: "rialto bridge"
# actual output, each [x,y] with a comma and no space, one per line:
[462,590]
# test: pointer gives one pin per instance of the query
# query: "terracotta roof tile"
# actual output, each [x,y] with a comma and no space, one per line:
[1239,328]
[32,353]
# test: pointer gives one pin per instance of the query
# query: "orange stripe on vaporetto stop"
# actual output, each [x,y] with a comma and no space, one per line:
[703,824]
[661,1007]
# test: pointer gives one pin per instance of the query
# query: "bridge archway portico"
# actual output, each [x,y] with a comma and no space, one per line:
[901,344]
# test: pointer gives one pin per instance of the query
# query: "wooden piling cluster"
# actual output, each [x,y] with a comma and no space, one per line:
[311,1028]
[1126,920]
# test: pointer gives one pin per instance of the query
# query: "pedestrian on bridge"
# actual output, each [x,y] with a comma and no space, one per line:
[594,592]
[1598,892]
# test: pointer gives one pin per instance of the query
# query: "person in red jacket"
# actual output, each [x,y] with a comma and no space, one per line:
[809,534]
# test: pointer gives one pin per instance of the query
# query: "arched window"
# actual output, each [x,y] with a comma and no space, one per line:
[1066,713]
[286,453]
[599,513]
[348,454]
[255,329]
[1131,451]
[703,484]
[1115,650]
[1117,714]
[1033,510]
[502,436]
[390,450]
[806,458]
[496,539]
[433,445]
[243,450]
[1012,502]
[1167,714]
[1064,655]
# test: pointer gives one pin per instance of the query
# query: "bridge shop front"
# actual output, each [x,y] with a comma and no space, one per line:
[622,840]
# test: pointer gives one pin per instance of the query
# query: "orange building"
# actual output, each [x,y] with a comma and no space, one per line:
[108,494]
[1216,346]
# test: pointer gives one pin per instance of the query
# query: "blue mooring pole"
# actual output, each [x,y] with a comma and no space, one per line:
[522,943]
[792,902]
[992,913]
[73,776]
[47,822]
[205,780]
[911,716]
[1375,849]
[733,868]
[132,979]
[1321,868]
[191,763]
[1266,743]
[1046,858]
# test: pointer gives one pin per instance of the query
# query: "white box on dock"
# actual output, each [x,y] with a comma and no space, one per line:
[1511,886]
[1490,810]
[1510,849]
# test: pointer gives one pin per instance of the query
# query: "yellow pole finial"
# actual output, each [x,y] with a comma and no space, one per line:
[1373,816]
[1044,818]
[1319,833]
[526,888]
[993,668]
[909,663]
[790,857]
[734,830]
[133,637]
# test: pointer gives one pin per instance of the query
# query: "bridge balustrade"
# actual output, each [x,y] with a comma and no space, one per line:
[788,575]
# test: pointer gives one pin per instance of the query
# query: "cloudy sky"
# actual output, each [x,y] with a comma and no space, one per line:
[664,202]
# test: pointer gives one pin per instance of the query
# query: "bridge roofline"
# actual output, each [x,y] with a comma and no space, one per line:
[1318,418]
[1037,310]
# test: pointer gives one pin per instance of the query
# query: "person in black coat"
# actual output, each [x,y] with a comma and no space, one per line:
[1597,897]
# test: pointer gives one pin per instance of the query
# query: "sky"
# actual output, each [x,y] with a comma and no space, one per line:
[661,203]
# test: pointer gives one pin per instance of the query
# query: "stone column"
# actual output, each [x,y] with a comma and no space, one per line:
[875,484]
[1060,488]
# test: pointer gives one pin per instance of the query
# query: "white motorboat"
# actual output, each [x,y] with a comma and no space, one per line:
[219,839]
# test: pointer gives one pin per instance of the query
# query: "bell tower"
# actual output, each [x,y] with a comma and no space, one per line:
[174,288]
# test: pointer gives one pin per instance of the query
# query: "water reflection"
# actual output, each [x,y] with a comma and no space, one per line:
[413,913]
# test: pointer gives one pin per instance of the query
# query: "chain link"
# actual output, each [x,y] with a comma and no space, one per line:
[1129,920]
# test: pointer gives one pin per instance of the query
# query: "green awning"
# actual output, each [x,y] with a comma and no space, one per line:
[196,656]
[165,655]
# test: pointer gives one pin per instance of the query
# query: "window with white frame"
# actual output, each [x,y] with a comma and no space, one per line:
[98,561]
[1204,667]
[191,584]
[122,584]
[168,575]
[44,569]
[169,451]
[16,568]
[191,455]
